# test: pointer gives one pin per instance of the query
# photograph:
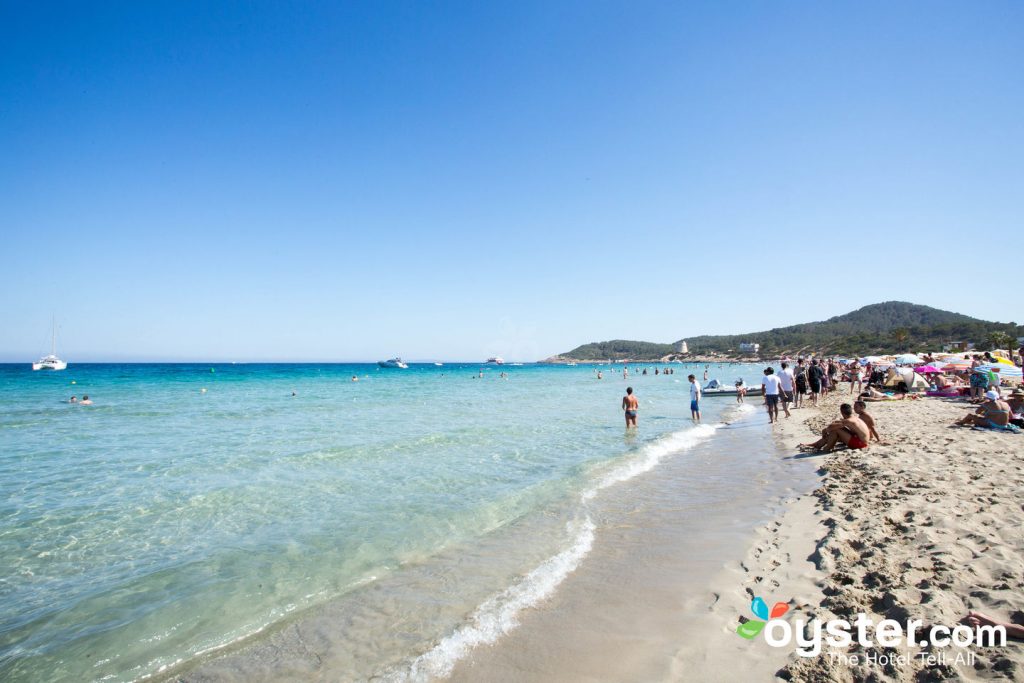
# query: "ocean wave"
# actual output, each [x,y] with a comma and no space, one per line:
[650,455]
[499,615]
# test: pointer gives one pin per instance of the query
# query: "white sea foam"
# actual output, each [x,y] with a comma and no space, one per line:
[499,614]
[650,455]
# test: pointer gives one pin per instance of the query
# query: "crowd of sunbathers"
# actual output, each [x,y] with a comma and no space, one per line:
[855,428]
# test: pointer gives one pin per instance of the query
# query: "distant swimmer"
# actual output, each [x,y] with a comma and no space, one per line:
[705,375]
[599,375]
[73,399]
[294,394]
[354,378]
[86,401]
[630,404]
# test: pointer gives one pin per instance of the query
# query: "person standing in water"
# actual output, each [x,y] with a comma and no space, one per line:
[694,398]
[630,404]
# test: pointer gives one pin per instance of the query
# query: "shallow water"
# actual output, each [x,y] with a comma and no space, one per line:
[165,523]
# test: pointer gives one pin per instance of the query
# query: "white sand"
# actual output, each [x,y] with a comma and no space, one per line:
[928,527]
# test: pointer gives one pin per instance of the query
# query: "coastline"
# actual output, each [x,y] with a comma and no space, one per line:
[927,527]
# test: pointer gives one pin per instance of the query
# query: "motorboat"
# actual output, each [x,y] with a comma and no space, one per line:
[392,363]
[496,360]
[51,362]
[716,388]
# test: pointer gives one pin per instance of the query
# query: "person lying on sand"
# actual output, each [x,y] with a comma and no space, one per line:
[979,619]
[994,413]
[850,429]
[873,394]
[861,410]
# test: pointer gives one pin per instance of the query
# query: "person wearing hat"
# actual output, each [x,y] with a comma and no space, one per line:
[1016,403]
[994,413]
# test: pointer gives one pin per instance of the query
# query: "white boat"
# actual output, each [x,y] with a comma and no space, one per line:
[51,362]
[439,364]
[716,388]
[497,360]
[392,363]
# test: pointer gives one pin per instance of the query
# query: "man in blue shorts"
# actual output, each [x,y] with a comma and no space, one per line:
[694,398]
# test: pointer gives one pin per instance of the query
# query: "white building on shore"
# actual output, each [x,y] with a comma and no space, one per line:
[750,347]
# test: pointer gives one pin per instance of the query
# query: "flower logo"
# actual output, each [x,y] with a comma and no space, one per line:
[759,607]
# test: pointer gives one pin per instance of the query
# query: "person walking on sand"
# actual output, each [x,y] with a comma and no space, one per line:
[788,382]
[694,398]
[855,380]
[814,377]
[630,405]
[771,385]
[801,383]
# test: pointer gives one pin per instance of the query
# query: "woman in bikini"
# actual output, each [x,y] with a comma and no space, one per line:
[993,413]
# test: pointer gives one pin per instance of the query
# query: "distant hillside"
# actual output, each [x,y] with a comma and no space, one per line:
[889,327]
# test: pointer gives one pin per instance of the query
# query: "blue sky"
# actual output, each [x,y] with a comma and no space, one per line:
[303,181]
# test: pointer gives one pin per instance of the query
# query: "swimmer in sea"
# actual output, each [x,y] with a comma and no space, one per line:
[86,401]
[630,404]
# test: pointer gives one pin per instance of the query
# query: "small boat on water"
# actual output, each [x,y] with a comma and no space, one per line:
[392,363]
[716,388]
[496,360]
[51,362]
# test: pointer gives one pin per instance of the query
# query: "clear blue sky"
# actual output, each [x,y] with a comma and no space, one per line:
[293,181]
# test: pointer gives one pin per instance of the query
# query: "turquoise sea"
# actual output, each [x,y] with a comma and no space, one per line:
[193,508]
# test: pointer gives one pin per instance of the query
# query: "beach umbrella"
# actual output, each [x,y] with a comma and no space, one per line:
[1000,359]
[927,370]
[908,359]
[871,359]
[958,363]
[1003,370]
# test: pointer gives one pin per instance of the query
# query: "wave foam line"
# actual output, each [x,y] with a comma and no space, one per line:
[650,455]
[498,615]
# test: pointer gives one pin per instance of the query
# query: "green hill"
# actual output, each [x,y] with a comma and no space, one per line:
[889,327]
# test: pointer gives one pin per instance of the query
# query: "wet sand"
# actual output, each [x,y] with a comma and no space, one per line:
[926,527]
[625,610]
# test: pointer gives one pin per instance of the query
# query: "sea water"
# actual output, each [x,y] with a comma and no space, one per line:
[193,509]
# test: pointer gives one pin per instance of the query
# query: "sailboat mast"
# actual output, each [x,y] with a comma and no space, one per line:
[53,336]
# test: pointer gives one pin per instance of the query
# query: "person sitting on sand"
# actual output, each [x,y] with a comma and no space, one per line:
[860,409]
[994,413]
[1016,403]
[1015,631]
[849,429]
[86,401]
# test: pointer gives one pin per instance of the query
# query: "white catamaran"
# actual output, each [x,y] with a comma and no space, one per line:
[51,362]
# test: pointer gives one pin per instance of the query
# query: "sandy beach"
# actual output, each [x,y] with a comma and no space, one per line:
[926,527]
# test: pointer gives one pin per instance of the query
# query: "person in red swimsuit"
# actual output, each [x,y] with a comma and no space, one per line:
[849,429]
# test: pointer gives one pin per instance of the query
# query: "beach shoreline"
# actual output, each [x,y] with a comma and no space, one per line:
[928,527]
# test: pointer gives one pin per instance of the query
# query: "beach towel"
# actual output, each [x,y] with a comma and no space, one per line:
[1013,429]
